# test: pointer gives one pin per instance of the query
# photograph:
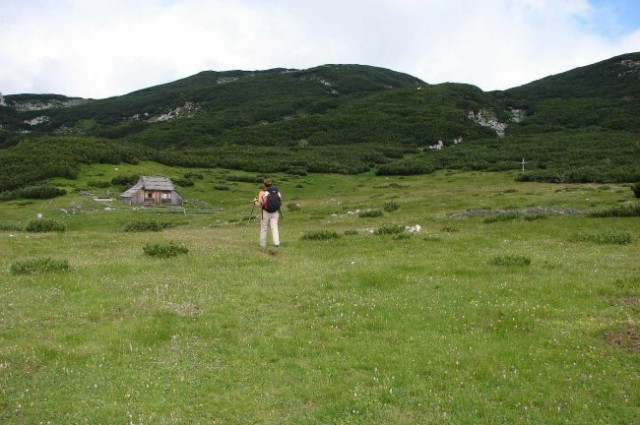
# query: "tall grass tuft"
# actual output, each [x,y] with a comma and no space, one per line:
[165,250]
[608,237]
[622,211]
[39,265]
[45,225]
[320,235]
[391,206]
[510,260]
[145,226]
[390,230]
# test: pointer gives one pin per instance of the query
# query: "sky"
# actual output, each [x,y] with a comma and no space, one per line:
[103,48]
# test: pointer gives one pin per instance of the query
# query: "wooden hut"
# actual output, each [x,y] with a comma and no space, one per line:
[152,191]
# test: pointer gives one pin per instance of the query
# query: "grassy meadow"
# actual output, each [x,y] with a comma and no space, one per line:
[511,305]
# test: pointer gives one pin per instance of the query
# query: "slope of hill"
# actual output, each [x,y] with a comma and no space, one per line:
[580,125]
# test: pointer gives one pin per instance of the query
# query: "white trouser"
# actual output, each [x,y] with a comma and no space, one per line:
[269,220]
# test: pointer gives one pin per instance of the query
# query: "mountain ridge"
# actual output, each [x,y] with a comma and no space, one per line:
[345,119]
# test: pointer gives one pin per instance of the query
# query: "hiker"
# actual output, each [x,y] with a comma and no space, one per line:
[269,201]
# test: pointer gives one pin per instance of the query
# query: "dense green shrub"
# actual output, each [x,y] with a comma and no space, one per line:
[320,235]
[606,237]
[391,206]
[45,225]
[193,176]
[165,250]
[636,189]
[125,180]
[621,211]
[33,192]
[184,182]
[244,179]
[99,184]
[145,226]
[39,265]
[390,230]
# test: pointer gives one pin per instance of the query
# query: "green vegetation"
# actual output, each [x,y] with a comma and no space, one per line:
[577,127]
[358,329]
[145,226]
[463,306]
[45,225]
[39,265]
[510,260]
[165,250]
[619,237]
[320,235]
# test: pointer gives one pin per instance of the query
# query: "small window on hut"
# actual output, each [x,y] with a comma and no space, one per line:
[166,196]
[149,195]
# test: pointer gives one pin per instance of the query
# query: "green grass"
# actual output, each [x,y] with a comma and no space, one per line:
[357,329]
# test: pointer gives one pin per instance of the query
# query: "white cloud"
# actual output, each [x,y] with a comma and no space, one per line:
[111,47]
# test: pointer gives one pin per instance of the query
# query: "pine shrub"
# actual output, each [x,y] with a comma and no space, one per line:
[45,225]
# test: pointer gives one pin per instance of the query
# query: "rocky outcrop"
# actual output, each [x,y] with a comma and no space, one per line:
[188,110]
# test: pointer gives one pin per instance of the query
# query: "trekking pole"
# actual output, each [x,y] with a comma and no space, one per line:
[249,219]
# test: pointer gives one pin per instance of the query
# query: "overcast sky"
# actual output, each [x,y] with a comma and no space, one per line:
[103,48]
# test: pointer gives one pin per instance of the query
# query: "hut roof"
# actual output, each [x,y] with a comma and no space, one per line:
[149,183]
[156,183]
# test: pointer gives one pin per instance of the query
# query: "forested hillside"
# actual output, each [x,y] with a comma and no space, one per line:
[578,126]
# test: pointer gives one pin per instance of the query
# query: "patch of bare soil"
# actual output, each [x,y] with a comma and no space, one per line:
[626,337]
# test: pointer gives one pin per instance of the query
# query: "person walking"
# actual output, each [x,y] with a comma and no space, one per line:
[269,201]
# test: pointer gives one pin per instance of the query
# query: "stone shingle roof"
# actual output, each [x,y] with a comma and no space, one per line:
[149,183]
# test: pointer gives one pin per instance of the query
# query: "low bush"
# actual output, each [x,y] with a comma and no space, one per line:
[124,180]
[622,211]
[39,265]
[244,179]
[145,226]
[184,182]
[193,176]
[510,260]
[636,189]
[33,192]
[320,235]
[165,250]
[390,206]
[607,237]
[45,225]
[390,230]
[221,187]
[99,184]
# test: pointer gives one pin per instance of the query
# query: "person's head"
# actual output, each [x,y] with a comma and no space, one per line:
[267,182]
